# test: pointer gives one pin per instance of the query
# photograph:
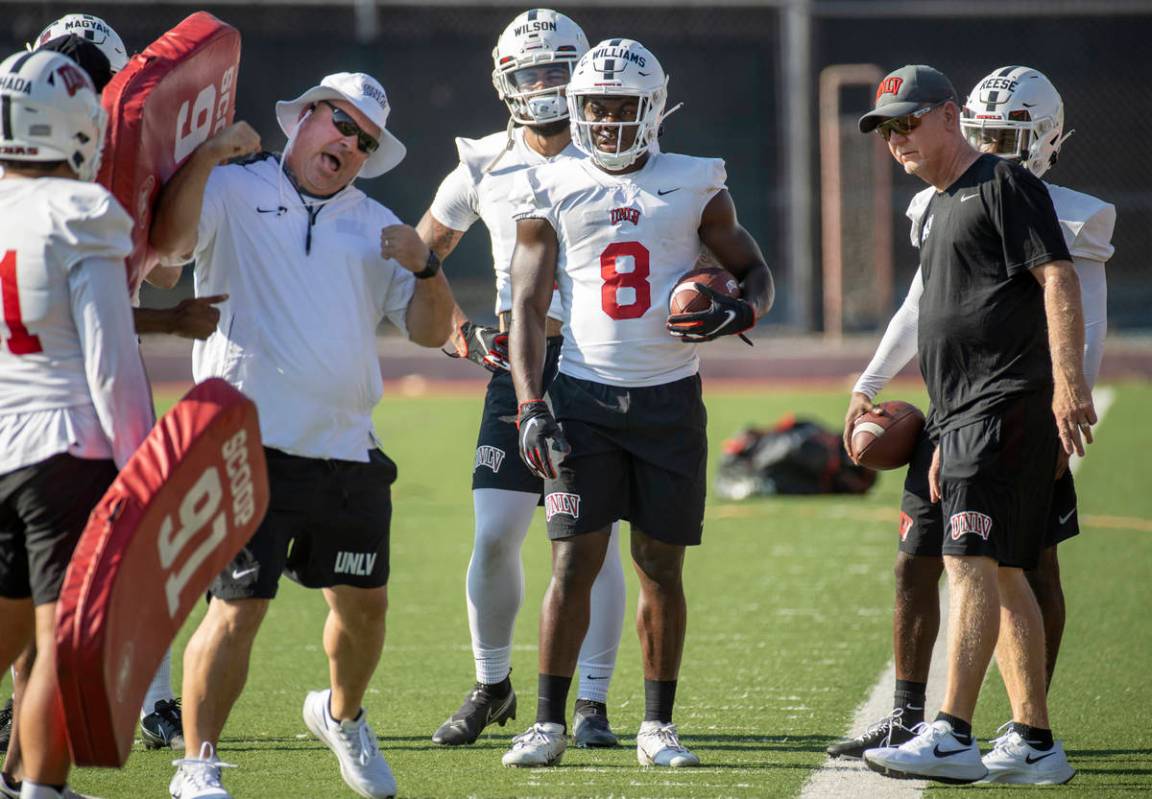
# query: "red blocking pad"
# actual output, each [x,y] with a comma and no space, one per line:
[169,99]
[188,500]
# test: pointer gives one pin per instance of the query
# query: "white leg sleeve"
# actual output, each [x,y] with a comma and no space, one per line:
[495,584]
[161,687]
[598,654]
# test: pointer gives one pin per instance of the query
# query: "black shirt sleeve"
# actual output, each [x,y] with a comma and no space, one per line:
[1026,220]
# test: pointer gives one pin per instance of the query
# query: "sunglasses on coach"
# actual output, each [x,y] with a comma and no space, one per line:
[348,127]
[905,124]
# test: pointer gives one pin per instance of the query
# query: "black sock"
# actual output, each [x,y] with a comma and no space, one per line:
[909,698]
[659,697]
[498,689]
[552,699]
[960,728]
[1037,737]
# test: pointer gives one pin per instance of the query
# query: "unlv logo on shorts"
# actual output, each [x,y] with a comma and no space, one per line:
[970,521]
[560,502]
[905,525]
[488,456]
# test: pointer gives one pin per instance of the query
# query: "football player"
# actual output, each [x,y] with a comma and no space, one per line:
[622,435]
[533,62]
[1014,112]
[74,403]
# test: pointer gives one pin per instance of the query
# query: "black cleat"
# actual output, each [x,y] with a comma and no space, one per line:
[5,725]
[481,708]
[163,728]
[591,729]
[888,731]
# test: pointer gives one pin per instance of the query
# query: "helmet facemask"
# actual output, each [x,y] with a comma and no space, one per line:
[535,92]
[633,138]
[1017,114]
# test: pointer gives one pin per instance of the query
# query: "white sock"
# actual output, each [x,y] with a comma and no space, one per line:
[161,686]
[602,641]
[30,790]
[495,584]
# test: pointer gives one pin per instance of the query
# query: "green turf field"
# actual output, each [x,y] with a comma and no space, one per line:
[789,627]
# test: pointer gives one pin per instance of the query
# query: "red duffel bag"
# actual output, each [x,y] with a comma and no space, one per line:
[168,100]
[181,508]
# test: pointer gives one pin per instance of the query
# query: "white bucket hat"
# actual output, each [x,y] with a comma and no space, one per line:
[362,91]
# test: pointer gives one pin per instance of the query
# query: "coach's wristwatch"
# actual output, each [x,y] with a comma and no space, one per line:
[430,268]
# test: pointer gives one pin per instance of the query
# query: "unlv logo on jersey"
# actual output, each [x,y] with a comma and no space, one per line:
[889,86]
[625,215]
[74,79]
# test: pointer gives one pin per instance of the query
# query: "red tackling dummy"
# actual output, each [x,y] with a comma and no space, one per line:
[168,100]
[182,507]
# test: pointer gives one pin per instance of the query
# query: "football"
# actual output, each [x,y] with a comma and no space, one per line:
[686,298]
[887,440]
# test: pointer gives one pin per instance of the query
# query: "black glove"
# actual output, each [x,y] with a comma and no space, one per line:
[542,444]
[727,316]
[482,345]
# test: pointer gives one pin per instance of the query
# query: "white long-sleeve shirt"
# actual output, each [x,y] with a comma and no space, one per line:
[1087,223]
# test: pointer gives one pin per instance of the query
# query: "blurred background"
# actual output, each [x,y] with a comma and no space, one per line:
[825,203]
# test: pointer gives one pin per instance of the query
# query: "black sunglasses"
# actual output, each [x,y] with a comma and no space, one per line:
[905,124]
[348,127]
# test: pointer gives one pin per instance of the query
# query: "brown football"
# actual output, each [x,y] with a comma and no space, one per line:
[686,298]
[887,440]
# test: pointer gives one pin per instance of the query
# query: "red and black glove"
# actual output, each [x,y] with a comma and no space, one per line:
[726,316]
[482,345]
[542,444]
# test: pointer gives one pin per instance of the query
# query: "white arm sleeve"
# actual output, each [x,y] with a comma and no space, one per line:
[897,347]
[103,316]
[1094,298]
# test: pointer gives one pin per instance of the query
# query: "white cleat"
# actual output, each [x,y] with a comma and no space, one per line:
[934,754]
[658,744]
[199,777]
[362,766]
[1014,761]
[542,745]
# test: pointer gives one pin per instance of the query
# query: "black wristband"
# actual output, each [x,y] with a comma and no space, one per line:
[430,268]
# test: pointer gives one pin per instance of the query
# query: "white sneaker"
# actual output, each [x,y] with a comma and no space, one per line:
[9,791]
[658,744]
[199,777]
[934,754]
[542,745]
[1014,761]
[362,766]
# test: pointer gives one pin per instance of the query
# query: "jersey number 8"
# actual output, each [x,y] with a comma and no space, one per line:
[626,294]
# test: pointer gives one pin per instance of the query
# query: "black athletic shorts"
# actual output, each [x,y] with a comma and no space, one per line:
[638,454]
[996,477]
[922,522]
[328,524]
[498,463]
[43,510]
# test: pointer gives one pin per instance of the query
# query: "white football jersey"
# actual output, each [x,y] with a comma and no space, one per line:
[71,378]
[481,187]
[624,241]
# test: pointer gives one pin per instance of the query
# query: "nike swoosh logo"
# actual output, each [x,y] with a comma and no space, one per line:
[947,752]
[644,74]
[968,197]
[281,210]
[1030,760]
[237,574]
[662,192]
[1066,516]
[590,677]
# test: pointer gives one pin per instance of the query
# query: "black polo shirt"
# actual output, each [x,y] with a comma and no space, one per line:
[983,338]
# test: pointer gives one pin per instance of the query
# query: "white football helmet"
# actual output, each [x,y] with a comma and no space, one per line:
[49,111]
[536,40]
[95,30]
[618,68]
[1018,113]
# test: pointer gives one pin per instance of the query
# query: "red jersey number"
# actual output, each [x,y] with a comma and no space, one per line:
[625,304]
[20,341]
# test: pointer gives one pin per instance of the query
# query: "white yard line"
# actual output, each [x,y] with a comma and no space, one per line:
[849,779]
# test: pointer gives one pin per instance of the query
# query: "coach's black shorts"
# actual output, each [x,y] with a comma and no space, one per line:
[637,453]
[996,477]
[922,522]
[328,524]
[43,510]
[497,463]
